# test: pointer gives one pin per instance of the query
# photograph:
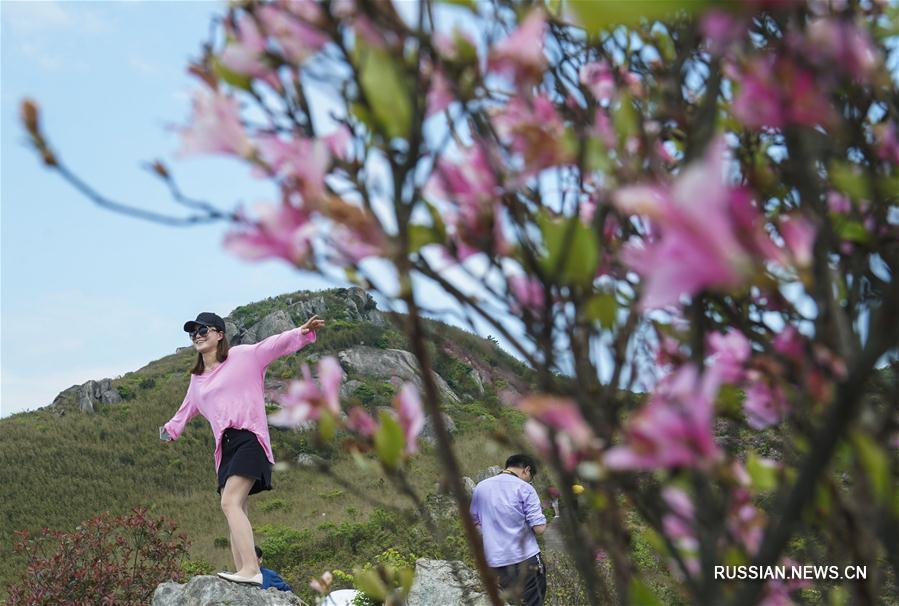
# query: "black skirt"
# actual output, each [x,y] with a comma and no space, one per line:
[242,455]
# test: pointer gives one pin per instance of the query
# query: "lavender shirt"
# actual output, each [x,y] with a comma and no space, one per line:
[506,507]
[231,395]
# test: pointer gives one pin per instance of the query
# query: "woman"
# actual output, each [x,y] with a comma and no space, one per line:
[226,387]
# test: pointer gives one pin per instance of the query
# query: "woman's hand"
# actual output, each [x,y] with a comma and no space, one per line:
[313,323]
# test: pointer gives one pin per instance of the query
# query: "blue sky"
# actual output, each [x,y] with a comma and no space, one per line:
[86,293]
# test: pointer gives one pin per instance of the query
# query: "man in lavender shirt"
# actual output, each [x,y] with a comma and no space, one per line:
[507,511]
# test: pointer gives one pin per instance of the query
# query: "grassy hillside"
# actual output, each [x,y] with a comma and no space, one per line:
[62,466]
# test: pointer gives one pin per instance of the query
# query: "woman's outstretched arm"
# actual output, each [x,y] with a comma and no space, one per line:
[287,342]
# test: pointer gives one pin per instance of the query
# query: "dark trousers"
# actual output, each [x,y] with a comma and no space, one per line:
[524,583]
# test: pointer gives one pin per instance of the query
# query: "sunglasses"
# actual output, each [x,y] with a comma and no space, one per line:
[202,331]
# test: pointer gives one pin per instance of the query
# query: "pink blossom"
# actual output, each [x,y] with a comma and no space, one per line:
[721,30]
[297,38]
[528,293]
[745,522]
[410,414]
[539,435]
[361,422]
[441,93]
[562,417]
[887,142]
[765,404]
[799,236]
[790,344]
[323,584]
[603,129]
[520,54]
[282,231]
[305,401]
[598,78]
[339,142]
[215,127]
[470,186]
[678,523]
[674,429]
[729,352]
[838,203]
[843,44]
[245,54]
[708,236]
[302,163]
[775,91]
[534,131]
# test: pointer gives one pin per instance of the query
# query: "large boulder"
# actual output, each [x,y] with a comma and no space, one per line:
[213,591]
[439,582]
[489,473]
[395,365]
[272,324]
[86,397]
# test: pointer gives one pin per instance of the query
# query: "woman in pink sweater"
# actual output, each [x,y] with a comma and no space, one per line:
[227,388]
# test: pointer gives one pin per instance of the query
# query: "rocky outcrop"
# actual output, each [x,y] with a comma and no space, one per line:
[445,582]
[213,591]
[489,473]
[395,365]
[358,306]
[429,434]
[87,397]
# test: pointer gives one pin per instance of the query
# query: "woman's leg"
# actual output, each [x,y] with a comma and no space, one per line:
[234,502]
[234,553]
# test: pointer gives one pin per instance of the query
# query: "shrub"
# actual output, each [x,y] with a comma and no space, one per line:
[104,560]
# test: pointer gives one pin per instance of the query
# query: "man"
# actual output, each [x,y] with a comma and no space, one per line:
[507,511]
[270,578]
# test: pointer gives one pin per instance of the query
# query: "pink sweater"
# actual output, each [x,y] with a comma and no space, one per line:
[232,394]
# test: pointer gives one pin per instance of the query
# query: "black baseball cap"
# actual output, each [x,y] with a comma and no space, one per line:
[206,318]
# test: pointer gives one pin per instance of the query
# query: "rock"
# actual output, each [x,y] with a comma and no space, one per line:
[489,473]
[441,506]
[476,378]
[272,324]
[86,397]
[307,459]
[396,365]
[347,388]
[439,582]
[469,485]
[213,591]
[429,434]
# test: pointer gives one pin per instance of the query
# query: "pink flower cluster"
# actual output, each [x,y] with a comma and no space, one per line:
[306,401]
[704,234]
[674,428]
[556,424]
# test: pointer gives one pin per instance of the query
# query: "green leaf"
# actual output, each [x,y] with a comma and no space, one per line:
[762,474]
[233,78]
[578,244]
[642,594]
[603,308]
[422,235]
[389,440]
[370,583]
[852,231]
[327,426]
[848,179]
[386,89]
[596,16]
[624,118]
[874,461]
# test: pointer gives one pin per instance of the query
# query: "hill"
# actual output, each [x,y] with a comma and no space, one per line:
[96,447]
